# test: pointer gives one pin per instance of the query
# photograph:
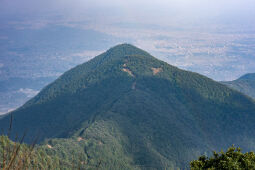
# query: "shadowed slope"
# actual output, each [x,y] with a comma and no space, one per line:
[245,84]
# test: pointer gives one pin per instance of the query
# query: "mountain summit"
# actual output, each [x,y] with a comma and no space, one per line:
[132,111]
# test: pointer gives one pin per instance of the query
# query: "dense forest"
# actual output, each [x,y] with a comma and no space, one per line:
[125,109]
[15,156]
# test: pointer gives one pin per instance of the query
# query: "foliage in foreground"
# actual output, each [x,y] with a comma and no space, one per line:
[233,159]
[15,155]
[19,156]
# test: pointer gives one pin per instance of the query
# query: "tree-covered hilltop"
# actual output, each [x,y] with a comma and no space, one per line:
[245,84]
[129,110]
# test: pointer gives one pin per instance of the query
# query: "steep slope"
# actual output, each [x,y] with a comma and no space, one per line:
[128,110]
[245,84]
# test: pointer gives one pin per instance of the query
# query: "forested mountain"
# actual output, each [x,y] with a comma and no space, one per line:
[245,84]
[125,109]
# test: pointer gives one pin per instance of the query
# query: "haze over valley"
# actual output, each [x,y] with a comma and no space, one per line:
[112,84]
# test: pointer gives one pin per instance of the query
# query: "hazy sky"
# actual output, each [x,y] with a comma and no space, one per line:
[139,9]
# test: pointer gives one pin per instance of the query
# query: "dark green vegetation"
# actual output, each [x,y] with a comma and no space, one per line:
[245,84]
[125,109]
[233,159]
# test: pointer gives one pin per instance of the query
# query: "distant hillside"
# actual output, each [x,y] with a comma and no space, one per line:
[125,109]
[245,84]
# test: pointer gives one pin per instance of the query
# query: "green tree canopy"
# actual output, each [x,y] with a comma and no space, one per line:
[233,159]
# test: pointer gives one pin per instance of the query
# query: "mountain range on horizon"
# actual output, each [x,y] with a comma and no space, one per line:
[129,110]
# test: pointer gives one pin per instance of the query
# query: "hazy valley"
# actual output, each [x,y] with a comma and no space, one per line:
[127,85]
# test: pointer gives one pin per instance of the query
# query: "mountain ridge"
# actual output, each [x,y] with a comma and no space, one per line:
[127,108]
[245,84]
[248,76]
